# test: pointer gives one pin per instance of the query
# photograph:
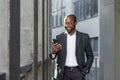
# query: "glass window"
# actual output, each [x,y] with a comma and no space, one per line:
[58,11]
[94,73]
[88,8]
[85,9]
[56,21]
[54,6]
[81,10]
[94,7]
[63,3]
[59,18]
[76,8]
[63,15]
[96,44]
[59,4]
[52,21]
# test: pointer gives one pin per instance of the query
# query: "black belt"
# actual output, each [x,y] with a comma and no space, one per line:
[71,68]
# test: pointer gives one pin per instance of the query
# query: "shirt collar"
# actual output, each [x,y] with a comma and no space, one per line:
[68,34]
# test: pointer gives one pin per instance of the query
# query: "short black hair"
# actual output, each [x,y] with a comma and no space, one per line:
[73,17]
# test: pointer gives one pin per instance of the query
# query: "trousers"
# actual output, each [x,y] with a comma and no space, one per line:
[73,73]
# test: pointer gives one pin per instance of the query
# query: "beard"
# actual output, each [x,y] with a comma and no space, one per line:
[70,30]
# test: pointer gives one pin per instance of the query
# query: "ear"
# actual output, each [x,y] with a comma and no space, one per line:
[76,23]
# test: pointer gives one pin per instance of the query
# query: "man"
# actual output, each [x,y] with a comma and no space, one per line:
[73,51]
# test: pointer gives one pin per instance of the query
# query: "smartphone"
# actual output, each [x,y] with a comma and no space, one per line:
[55,41]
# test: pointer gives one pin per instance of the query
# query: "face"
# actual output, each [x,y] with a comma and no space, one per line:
[70,25]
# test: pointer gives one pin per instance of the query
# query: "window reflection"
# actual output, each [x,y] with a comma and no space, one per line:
[88,8]
[94,7]
[85,9]
[82,10]
[58,12]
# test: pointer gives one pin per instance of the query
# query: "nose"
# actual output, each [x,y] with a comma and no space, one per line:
[66,25]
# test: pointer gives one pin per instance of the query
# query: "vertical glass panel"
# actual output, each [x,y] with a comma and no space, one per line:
[82,7]
[94,7]
[52,20]
[87,8]
[96,44]
[59,4]
[92,43]
[63,3]
[58,7]
[56,20]
[76,9]
[63,15]
[94,73]
[59,18]
[54,6]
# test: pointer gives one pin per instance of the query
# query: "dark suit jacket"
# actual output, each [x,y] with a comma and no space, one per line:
[83,49]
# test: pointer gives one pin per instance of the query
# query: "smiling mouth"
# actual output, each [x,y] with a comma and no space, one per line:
[68,28]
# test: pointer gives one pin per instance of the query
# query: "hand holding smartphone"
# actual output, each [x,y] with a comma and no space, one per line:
[56,46]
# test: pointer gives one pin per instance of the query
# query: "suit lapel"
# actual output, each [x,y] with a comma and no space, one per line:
[65,41]
[78,41]
[64,45]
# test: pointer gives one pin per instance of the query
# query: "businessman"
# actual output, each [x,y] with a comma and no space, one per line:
[73,51]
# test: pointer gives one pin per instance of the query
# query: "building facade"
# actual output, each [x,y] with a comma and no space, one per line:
[27,28]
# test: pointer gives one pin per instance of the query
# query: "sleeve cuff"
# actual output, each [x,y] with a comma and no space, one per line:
[53,55]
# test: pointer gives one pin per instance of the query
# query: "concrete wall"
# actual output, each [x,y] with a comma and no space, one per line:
[4,36]
[117,39]
[26,36]
[27,32]
[90,26]
[107,46]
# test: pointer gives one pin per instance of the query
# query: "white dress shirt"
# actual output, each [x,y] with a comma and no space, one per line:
[71,51]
